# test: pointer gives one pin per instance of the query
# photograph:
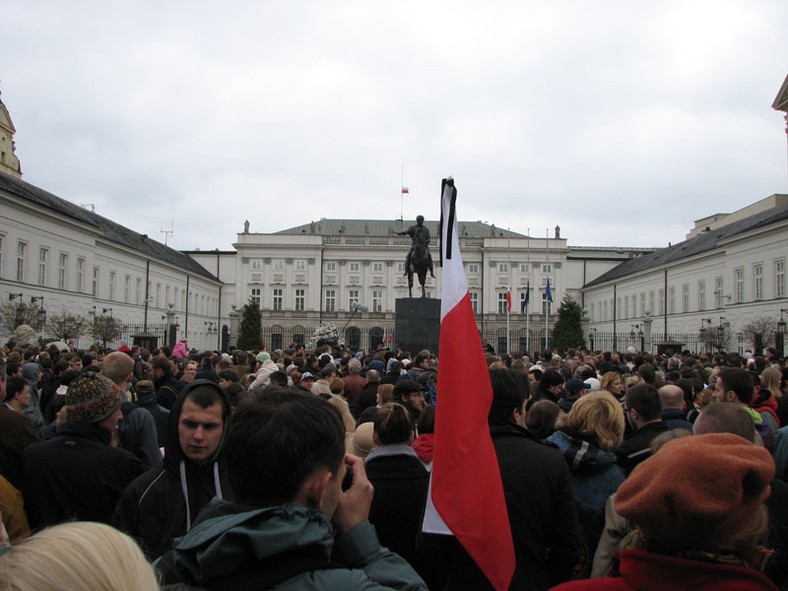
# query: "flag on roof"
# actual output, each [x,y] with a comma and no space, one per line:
[405,191]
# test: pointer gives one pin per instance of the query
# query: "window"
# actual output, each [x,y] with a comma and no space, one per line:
[62,271]
[400,268]
[80,274]
[158,298]
[626,307]
[502,302]
[167,295]
[671,300]
[661,300]
[473,268]
[475,301]
[718,292]
[355,267]
[279,264]
[651,302]
[618,307]
[95,285]
[643,303]
[255,296]
[112,279]
[547,306]
[127,289]
[685,297]
[377,267]
[779,277]
[331,300]
[634,306]
[503,267]
[701,295]
[300,265]
[256,264]
[352,298]
[21,253]
[300,300]
[738,282]
[331,266]
[523,267]
[43,256]
[138,291]
[547,268]
[757,276]
[2,245]
[377,300]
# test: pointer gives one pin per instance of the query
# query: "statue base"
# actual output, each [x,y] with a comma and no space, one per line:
[417,324]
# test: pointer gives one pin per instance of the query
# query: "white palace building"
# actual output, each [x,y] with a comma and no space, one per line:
[63,257]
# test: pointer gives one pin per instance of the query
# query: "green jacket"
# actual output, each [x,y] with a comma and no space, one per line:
[231,537]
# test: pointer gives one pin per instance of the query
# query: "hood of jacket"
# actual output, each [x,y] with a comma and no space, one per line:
[172,452]
[231,535]
[581,453]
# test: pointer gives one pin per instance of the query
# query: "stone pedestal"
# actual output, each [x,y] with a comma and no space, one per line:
[417,324]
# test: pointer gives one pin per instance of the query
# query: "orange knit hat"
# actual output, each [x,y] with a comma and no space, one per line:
[697,492]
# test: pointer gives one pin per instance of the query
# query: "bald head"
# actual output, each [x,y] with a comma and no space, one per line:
[672,397]
[726,418]
[372,376]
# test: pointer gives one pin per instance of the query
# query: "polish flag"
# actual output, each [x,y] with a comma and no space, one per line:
[466,495]
[508,300]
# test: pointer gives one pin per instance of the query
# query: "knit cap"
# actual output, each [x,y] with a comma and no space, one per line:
[91,398]
[697,492]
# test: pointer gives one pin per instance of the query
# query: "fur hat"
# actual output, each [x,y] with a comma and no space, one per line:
[144,387]
[91,398]
[698,491]
[361,440]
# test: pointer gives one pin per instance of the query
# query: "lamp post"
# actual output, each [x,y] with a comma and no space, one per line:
[592,338]
[779,336]
[354,307]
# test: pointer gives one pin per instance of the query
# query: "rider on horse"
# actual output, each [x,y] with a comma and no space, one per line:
[419,235]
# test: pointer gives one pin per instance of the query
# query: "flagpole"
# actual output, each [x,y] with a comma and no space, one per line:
[547,292]
[528,294]
[508,295]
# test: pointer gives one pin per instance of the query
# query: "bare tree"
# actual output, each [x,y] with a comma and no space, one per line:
[66,326]
[717,337]
[760,329]
[13,314]
[105,328]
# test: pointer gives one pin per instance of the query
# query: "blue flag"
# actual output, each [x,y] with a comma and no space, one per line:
[548,292]
[526,299]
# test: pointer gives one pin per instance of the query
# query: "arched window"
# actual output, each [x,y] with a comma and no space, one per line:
[375,338]
[353,338]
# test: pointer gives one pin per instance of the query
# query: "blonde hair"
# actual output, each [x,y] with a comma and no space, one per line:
[608,378]
[598,414]
[82,555]
[344,410]
[770,379]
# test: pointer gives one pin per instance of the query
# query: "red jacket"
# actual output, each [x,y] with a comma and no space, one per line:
[647,571]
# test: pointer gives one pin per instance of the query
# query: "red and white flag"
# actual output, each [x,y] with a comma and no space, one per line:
[466,493]
[405,191]
[508,300]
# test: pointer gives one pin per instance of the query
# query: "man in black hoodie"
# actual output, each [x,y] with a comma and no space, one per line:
[162,504]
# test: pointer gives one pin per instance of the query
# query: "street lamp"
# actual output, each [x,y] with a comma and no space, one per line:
[592,338]
[13,296]
[105,310]
[354,307]
[34,299]
[779,336]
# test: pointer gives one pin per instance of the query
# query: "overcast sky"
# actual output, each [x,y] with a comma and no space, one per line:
[620,121]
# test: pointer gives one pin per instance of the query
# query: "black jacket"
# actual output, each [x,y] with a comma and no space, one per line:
[400,483]
[637,448]
[76,475]
[542,514]
[154,508]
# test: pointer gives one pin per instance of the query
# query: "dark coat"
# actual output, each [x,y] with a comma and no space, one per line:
[367,397]
[161,416]
[547,540]
[16,433]
[400,483]
[76,476]
[153,509]
[167,390]
[637,448]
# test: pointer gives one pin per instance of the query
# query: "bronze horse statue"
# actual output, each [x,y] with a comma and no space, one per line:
[420,262]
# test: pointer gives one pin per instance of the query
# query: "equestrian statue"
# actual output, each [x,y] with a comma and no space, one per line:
[419,259]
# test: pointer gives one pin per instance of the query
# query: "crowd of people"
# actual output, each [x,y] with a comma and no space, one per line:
[310,469]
